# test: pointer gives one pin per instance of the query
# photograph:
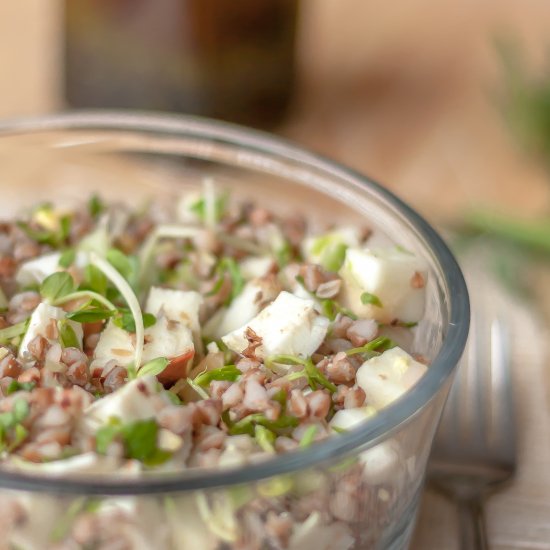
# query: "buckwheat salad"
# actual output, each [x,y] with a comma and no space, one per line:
[138,341]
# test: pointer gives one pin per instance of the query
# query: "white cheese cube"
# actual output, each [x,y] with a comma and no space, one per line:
[289,325]
[255,267]
[388,376]
[178,305]
[164,339]
[246,305]
[39,323]
[34,271]
[167,339]
[382,463]
[129,403]
[396,277]
[347,419]
[114,343]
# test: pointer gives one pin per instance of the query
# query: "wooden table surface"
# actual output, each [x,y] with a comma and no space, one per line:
[407,95]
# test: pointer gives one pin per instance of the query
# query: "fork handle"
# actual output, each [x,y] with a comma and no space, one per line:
[472,525]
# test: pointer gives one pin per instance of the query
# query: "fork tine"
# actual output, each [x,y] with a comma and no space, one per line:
[501,429]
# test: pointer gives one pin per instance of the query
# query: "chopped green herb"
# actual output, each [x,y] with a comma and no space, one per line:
[15,386]
[333,256]
[174,398]
[200,391]
[199,207]
[339,430]
[3,300]
[131,372]
[56,286]
[265,438]
[313,374]
[230,267]
[90,315]
[9,333]
[276,486]
[55,237]
[126,265]
[95,280]
[281,397]
[154,367]
[368,298]
[20,410]
[283,254]
[67,335]
[95,206]
[20,433]
[107,434]
[228,372]
[309,436]
[125,320]
[64,524]
[139,439]
[330,308]
[67,258]
[247,424]
[380,344]
[344,465]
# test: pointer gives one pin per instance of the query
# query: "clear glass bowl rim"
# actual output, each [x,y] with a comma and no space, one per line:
[383,424]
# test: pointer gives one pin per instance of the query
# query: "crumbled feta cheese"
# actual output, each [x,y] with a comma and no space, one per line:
[39,323]
[395,276]
[347,419]
[246,305]
[255,267]
[289,326]
[34,271]
[114,343]
[388,376]
[129,403]
[178,305]
[381,464]
[167,339]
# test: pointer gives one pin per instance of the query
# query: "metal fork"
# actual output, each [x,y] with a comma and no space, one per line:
[474,450]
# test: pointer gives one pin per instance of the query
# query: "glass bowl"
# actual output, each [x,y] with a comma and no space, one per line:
[360,489]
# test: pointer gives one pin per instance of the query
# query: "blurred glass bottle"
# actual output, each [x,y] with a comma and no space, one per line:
[227,59]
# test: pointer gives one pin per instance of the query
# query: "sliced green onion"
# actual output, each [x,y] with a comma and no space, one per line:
[77,295]
[67,335]
[309,436]
[128,294]
[265,438]
[154,367]
[198,389]
[368,298]
[227,372]
[382,343]
[8,333]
